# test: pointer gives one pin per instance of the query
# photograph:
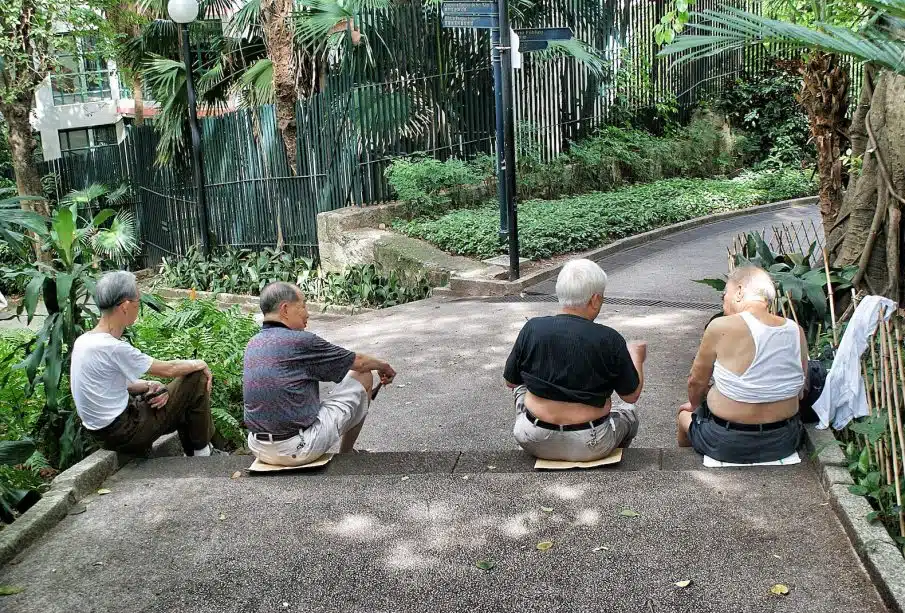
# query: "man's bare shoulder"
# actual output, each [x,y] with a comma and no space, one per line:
[726,324]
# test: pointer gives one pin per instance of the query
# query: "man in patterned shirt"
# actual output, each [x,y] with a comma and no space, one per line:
[288,422]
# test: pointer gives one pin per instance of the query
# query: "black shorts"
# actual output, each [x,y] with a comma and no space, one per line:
[741,446]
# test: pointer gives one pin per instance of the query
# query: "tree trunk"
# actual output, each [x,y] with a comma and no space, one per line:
[138,100]
[824,96]
[867,231]
[22,147]
[281,52]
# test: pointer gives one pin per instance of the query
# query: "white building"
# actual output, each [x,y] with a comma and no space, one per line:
[81,106]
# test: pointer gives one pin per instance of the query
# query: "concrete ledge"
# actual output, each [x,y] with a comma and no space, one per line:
[492,287]
[69,487]
[878,551]
[250,303]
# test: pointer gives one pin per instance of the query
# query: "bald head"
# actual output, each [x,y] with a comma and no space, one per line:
[754,284]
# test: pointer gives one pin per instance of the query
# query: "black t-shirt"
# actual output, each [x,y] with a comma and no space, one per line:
[568,358]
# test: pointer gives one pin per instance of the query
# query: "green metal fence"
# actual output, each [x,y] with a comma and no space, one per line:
[413,87]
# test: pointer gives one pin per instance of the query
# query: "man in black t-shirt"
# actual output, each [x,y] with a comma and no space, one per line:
[564,369]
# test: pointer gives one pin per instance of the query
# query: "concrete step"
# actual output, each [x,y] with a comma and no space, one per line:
[424,462]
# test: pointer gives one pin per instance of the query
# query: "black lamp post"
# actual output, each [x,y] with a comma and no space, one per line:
[185,12]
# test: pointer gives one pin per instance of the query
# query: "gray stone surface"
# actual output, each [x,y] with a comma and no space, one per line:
[381,543]
[668,266]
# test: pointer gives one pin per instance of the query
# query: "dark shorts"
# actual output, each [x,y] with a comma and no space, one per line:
[742,446]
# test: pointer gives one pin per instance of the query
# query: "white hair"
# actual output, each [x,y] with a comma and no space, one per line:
[114,288]
[755,282]
[578,281]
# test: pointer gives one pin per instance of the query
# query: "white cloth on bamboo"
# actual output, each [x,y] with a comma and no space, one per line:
[844,398]
[2,301]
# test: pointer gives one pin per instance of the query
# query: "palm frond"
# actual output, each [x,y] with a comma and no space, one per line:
[246,22]
[255,86]
[895,8]
[578,50]
[118,241]
[93,192]
[729,29]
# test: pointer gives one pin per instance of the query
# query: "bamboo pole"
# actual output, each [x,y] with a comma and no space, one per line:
[792,306]
[870,407]
[782,307]
[884,467]
[892,401]
[829,291]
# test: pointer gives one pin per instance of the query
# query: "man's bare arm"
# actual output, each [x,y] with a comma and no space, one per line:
[638,352]
[702,368]
[176,368]
[366,363]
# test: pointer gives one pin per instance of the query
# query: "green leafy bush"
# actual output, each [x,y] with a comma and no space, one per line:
[428,186]
[198,330]
[548,228]
[801,283]
[610,159]
[247,272]
[765,107]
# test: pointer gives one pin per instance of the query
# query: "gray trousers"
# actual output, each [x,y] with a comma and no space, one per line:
[574,445]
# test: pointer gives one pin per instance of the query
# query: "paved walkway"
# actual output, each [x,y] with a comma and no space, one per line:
[402,530]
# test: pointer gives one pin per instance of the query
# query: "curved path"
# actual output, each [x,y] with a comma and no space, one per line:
[402,530]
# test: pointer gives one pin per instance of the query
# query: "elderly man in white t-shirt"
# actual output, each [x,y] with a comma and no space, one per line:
[123,412]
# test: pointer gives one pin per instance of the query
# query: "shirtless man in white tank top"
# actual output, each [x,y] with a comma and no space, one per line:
[758,363]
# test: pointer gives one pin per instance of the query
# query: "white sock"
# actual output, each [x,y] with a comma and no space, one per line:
[204,452]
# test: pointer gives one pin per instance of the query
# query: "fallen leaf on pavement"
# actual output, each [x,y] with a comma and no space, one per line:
[779,589]
[684,583]
[601,548]
[9,590]
[222,516]
[98,563]
[103,491]
[485,564]
[405,478]
[236,474]
[628,513]
[547,509]
[545,545]
[491,468]
[78,509]
[465,478]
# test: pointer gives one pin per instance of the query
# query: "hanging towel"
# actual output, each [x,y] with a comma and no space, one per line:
[844,398]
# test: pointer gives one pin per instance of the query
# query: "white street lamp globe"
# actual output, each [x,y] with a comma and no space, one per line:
[183,11]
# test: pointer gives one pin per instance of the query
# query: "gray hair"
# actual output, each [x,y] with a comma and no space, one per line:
[755,282]
[578,281]
[275,294]
[114,288]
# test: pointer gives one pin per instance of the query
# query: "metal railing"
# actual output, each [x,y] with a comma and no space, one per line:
[80,87]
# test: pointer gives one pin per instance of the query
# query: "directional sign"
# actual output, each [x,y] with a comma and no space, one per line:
[538,39]
[483,22]
[470,8]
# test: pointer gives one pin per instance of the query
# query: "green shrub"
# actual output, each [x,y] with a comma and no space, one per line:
[430,187]
[198,330]
[764,106]
[548,228]
[242,271]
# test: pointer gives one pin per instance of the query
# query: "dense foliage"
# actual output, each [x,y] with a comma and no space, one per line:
[765,108]
[610,159]
[549,228]
[199,330]
[242,271]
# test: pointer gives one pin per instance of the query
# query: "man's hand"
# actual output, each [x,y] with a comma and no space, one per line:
[386,373]
[207,373]
[157,402]
[638,350]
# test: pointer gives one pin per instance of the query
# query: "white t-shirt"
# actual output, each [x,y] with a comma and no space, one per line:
[103,367]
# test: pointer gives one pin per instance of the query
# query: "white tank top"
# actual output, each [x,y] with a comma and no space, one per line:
[775,374]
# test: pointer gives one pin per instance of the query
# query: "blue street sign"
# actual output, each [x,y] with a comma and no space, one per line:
[543,34]
[483,22]
[470,8]
[532,45]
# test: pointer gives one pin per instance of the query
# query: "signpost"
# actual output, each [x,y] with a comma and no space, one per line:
[538,39]
[493,15]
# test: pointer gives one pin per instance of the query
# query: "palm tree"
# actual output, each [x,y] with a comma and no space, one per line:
[862,223]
